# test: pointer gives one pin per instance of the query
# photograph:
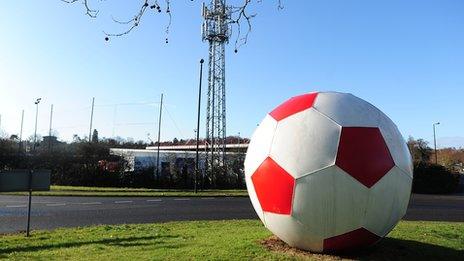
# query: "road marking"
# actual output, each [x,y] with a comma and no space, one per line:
[16,206]
[208,198]
[55,204]
[181,199]
[123,201]
[90,203]
[12,201]
[154,200]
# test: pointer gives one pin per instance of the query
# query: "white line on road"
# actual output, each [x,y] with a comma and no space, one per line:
[154,200]
[55,204]
[181,199]
[90,203]
[12,201]
[16,206]
[123,201]
[208,198]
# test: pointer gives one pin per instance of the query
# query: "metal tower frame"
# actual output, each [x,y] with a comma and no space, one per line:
[216,31]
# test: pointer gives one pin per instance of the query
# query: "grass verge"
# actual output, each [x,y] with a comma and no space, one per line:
[219,240]
[134,192]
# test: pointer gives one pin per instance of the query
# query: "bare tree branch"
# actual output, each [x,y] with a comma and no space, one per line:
[238,16]
[134,22]
[88,11]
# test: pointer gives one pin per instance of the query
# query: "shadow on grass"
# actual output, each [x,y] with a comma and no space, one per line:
[155,241]
[400,249]
[387,249]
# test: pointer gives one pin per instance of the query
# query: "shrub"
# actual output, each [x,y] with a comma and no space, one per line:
[434,179]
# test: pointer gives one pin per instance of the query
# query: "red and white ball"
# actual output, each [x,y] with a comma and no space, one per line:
[328,171]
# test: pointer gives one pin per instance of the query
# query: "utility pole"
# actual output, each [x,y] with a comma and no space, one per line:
[198,126]
[215,30]
[159,136]
[21,131]
[50,129]
[435,141]
[91,119]
[36,116]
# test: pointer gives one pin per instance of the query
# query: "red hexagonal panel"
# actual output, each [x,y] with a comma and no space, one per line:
[352,240]
[274,187]
[293,105]
[363,154]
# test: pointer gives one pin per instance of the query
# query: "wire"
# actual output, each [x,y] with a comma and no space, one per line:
[173,121]
[126,104]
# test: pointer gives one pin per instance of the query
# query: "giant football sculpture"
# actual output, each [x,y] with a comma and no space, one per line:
[328,172]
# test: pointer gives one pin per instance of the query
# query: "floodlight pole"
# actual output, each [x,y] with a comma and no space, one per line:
[435,141]
[198,126]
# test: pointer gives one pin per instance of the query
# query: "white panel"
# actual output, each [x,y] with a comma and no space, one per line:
[292,232]
[348,110]
[258,151]
[388,202]
[260,144]
[305,142]
[329,202]
[397,145]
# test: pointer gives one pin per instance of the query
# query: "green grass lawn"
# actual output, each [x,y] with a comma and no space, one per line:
[219,240]
[133,192]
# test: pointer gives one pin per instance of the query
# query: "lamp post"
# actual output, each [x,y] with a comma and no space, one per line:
[198,127]
[36,116]
[435,141]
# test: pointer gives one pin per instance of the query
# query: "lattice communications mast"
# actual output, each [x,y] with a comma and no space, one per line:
[215,31]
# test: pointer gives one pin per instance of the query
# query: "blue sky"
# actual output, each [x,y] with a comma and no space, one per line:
[405,57]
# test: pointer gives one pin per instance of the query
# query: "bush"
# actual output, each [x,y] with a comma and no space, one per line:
[90,164]
[434,179]
[137,179]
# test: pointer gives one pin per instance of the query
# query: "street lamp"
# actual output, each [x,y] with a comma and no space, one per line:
[37,101]
[435,141]
[198,128]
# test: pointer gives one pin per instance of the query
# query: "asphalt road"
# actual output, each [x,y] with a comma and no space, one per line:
[54,212]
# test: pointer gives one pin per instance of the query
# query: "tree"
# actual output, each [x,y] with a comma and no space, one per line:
[76,138]
[450,157]
[419,149]
[95,136]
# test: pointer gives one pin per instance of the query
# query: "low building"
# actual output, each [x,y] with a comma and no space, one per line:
[138,159]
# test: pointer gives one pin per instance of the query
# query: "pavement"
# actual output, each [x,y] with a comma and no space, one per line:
[55,212]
